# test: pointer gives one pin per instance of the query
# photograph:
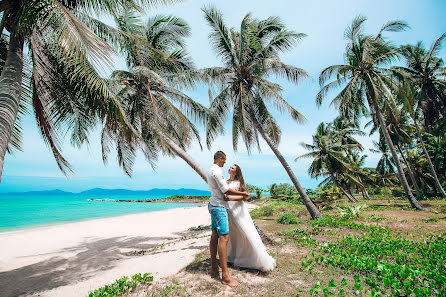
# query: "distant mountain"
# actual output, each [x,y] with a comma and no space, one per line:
[48,193]
[99,191]
[182,191]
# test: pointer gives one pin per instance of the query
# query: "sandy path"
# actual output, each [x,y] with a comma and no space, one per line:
[72,259]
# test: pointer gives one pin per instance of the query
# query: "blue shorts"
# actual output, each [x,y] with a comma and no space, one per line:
[219,218]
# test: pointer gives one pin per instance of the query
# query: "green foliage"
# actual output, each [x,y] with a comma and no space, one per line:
[301,237]
[431,220]
[283,191]
[397,193]
[257,190]
[277,207]
[327,194]
[384,260]
[336,222]
[387,261]
[188,198]
[263,211]
[287,218]
[200,228]
[122,285]
[351,211]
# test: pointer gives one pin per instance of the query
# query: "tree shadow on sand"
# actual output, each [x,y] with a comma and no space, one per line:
[91,257]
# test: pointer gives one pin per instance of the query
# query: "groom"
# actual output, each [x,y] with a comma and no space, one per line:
[218,209]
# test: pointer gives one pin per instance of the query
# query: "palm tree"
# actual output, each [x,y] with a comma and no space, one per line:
[400,131]
[412,99]
[153,107]
[366,82]
[65,50]
[250,56]
[328,157]
[436,146]
[384,168]
[427,73]
[362,175]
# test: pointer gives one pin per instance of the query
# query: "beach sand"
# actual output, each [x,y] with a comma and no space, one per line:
[74,258]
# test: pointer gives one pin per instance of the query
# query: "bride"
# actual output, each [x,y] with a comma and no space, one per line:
[245,248]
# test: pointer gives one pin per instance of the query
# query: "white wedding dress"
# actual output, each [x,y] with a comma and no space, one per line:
[245,247]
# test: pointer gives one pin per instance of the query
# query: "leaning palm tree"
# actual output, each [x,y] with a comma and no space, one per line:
[328,155]
[250,56]
[159,112]
[415,99]
[365,81]
[427,73]
[400,130]
[65,51]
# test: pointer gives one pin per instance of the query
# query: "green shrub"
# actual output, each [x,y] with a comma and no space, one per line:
[351,211]
[254,189]
[122,285]
[398,193]
[283,191]
[263,211]
[287,218]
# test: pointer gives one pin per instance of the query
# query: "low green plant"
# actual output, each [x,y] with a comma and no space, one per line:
[299,236]
[351,211]
[287,218]
[388,263]
[200,228]
[122,285]
[262,211]
[343,222]
[431,220]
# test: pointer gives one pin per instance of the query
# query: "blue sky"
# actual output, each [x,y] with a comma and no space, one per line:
[323,21]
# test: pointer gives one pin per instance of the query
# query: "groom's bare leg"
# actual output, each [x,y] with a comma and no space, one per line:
[223,255]
[213,246]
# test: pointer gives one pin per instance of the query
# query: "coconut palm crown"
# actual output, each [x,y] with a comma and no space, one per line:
[59,79]
[250,56]
[158,111]
[366,82]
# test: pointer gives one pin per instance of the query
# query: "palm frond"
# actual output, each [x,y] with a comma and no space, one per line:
[219,36]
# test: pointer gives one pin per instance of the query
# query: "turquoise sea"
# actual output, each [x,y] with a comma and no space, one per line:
[19,211]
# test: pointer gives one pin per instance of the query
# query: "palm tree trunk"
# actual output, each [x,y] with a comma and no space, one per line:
[413,201]
[185,156]
[10,92]
[366,193]
[431,166]
[312,209]
[340,188]
[409,169]
[350,192]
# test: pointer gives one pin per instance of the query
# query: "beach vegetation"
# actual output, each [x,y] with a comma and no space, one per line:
[123,285]
[385,251]
[287,218]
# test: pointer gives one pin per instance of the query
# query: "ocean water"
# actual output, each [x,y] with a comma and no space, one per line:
[23,211]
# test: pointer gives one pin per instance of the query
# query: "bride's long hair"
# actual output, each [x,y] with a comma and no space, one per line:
[239,177]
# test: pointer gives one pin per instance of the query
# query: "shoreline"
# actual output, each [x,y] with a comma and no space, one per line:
[56,223]
[74,258]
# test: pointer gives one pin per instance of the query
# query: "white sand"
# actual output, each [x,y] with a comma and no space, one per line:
[72,259]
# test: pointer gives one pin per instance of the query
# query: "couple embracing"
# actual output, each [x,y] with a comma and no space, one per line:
[234,236]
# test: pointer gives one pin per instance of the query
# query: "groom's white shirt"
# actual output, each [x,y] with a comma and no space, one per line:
[218,186]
